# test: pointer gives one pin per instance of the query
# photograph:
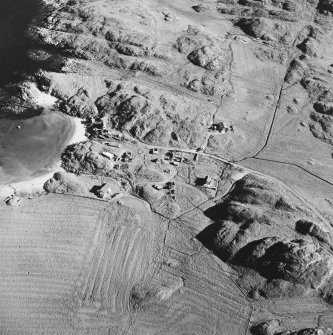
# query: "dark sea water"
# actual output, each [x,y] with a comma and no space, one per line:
[35,148]
[15,17]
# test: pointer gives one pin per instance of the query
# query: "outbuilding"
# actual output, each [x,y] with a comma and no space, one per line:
[105,191]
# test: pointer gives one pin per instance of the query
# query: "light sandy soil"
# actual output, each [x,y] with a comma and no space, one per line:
[35,185]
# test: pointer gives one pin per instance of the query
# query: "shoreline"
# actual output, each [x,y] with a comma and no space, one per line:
[36,184]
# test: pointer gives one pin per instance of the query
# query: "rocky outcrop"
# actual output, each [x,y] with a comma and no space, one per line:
[270,327]
[255,27]
[208,57]
[200,8]
[273,327]
[86,157]
[309,46]
[296,71]
[255,227]
[322,127]
[325,6]
[324,108]
[320,91]
[63,183]
[79,105]
[155,117]
[309,228]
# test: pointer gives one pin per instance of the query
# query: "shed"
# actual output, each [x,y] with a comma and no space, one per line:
[108,155]
[105,191]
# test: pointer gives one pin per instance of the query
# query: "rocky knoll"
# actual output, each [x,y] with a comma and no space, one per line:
[86,157]
[154,116]
[273,327]
[263,229]
[155,77]
[122,39]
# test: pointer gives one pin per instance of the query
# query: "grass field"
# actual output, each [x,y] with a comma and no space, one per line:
[71,264]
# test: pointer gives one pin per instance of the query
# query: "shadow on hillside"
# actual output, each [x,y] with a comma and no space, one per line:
[15,17]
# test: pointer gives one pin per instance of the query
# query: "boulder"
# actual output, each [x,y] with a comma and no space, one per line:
[324,107]
[309,47]
[306,227]
[296,261]
[253,26]
[14,201]
[266,328]
[200,8]
[207,57]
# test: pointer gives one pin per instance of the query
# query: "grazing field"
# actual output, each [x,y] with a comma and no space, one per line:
[43,247]
[74,265]
[200,200]
[207,302]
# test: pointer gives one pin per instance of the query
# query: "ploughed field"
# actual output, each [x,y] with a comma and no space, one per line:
[74,265]
[201,200]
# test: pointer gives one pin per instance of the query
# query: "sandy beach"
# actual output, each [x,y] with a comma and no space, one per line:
[35,185]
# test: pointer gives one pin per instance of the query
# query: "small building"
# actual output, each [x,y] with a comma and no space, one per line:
[210,183]
[207,180]
[118,137]
[100,124]
[222,127]
[124,166]
[127,156]
[170,185]
[174,163]
[105,191]
[108,155]
[153,151]
[105,132]
[89,120]
[170,155]
[116,145]
[13,201]
[158,186]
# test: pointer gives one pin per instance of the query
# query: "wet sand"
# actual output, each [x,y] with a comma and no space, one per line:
[29,166]
[30,149]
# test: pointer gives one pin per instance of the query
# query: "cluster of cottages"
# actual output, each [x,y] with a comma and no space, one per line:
[170,186]
[171,157]
[124,157]
[106,191]
[222,127]
[98,127]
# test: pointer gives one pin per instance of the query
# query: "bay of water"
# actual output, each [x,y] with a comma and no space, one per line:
[30,147]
